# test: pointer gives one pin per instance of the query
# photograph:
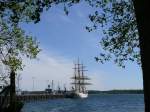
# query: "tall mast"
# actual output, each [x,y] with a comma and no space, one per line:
[79,77]
[82,78]
[75,73]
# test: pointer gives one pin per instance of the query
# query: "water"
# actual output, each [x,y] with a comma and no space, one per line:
[94,103]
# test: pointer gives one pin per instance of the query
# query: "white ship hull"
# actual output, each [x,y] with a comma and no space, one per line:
[76,95]
[82,95]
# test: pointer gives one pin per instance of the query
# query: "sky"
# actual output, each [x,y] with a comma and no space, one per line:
[63,39]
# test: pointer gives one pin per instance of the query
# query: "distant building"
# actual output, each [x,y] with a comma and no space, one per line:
[49,89]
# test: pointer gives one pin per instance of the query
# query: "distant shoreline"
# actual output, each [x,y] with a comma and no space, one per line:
[116,92]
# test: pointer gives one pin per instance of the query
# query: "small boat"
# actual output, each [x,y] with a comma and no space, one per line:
[79,82]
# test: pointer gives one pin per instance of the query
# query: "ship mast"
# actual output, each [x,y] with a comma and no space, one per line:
[82,70]
[75,72]
[79,78]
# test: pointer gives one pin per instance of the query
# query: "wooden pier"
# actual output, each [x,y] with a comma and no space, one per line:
[34,97]
[39,97]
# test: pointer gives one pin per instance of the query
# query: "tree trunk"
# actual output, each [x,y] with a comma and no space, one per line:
[142,8]
[12,91]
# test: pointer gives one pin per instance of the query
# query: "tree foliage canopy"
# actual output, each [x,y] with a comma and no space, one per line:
[14,44]
[121,40]
[14,11]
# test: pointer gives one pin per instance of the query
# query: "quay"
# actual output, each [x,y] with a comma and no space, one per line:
[39,97]
[33,97]
[26,96]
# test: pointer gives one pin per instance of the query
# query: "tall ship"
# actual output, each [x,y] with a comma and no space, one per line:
[79,81]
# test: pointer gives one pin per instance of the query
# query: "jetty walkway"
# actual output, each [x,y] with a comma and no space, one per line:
[34,97]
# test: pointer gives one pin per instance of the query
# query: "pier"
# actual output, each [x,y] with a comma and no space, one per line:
[39,97]
[33,97]
[26,96]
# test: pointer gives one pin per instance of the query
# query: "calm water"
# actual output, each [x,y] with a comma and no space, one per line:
[95,103]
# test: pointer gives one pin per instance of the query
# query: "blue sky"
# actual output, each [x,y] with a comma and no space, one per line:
[63,39]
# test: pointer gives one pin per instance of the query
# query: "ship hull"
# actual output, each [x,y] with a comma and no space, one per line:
[82,95]
[77,95]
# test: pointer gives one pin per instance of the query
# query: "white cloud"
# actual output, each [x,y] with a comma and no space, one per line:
[46,68]
[50,67]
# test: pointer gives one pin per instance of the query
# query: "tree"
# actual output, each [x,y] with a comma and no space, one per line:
[15,11]
[121,40]
[143,20]
[126,28]
[14,44]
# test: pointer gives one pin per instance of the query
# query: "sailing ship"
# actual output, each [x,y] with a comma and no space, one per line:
[79,81]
